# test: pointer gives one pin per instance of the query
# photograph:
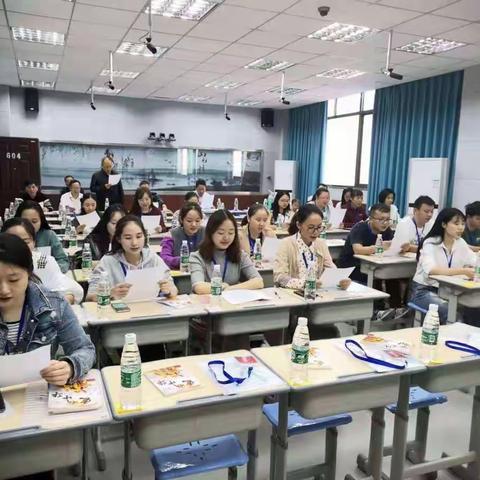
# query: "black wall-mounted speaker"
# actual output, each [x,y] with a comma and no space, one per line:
[267,115]
[31,100]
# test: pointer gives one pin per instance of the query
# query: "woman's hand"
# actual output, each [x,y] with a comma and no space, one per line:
[158,229]
[80,228]
[319,283]
[120,290]
[405,248]
[57,372]
[166,287]
[469,272]
[345,283]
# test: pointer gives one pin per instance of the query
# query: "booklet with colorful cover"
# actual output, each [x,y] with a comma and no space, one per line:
[172,380]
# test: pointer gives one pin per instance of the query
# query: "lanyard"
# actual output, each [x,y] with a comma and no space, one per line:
[229,378]
[192,242]
[419,237]
[305,261]
[224,268]
[354,347]
[462,347]
[449,259]
[124,268]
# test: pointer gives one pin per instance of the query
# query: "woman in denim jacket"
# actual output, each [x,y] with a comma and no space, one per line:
[31,317]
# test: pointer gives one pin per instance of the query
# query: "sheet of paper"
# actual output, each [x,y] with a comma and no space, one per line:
[270,248]
[236,297]
[395,246]
[23,367]
[144,283]
[331,276]
[90,220]
[151,222]
[114,179]
[336,216]
[207,201]
[45,250]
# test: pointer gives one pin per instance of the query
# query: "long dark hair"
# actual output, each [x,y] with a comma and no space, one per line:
[382,196]
[14,251]
[189,195]
[31,205]
[301,215]
[188,207]
[87,196]
[100,229]
[253,209]
[20,222]
[438,230]
[139,193]
[121,224]
[207,247]
[344,192]
[276,208]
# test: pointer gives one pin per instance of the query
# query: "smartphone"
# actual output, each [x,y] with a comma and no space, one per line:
[120,307]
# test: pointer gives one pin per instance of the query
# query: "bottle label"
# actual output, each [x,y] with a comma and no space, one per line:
[299,355]
[72,242]
[103,300]
[310,285]
[379,250]
[131,379]
[429,337]
[184,259]
[86,263]
[257,256]
[216,290]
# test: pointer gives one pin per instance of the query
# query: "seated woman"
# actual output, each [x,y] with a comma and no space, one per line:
[190,230]
[346,197]
[221,246]
[45,267]
[281,213]
[129,252]
[100,239]
[32,316]
[190,197]
[387,197]
[443,252]
[297,253]
[44,236]
[88,205]
[143,205]
[257,226]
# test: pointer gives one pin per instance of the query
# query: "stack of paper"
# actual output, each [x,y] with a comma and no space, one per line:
[236,297]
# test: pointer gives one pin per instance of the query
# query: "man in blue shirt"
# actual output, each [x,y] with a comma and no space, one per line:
[471,233]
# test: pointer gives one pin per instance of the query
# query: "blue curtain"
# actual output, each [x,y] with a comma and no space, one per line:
[305,144]
[415,119]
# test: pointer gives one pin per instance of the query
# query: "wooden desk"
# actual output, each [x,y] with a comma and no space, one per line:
[387,268]
[200,413]
[32,443]
[458,290]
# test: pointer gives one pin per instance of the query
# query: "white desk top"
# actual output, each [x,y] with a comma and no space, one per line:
[405,258]
[458,282]
[355,291]
[335,242]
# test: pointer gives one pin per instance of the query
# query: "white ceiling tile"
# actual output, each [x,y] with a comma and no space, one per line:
[468,52]
[47,24]
[464,9]
[433,61]
[171,91]
[199,77]
[35,74]
[92,30]
[158,39]
[46,8]
[291,56]
[268,39]
[104,16]
[190,55]
[427,25]
[468,34]
[419,6]
[215,68]
[175,65]
[201,44]
[294,24]
[3,20]
[310,45]
[248,75]
[91,42]
[134,5]
[23,49]
[298,72]
[272,5]
[75,84]
[164,24]
[250,51]
[4,32]
[132,63]
[243,16]
[219,31]
[221,59]
[327,61]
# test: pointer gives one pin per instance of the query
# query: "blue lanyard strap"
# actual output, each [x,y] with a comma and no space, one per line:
[364,357]
[224,268]
[229,378]
[449,258]
[462,347]
[124,268]
[22,322]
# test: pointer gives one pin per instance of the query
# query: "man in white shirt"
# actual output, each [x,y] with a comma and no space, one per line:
[411,230]
[71,201]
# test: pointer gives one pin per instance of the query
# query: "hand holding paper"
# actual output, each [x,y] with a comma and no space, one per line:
[270,248]
[144,283]
[114,179]
[151,222]
[332,277]
[336,216]
[90,220]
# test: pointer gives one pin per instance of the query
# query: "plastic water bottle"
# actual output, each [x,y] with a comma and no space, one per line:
[430,329]
[184,256]
[130,374]
[1,222]
[310,288]
[300,353]
[6,214]
[379,246]
[257,253]
[235,205]
[216,284]
[72,242]
[11,209]
[86,260]
[269,204]
[219,203]
[476,274]
[265,203]
[103,293]
[323,231]
[107,203]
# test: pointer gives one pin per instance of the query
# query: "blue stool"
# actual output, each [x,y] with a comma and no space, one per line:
[420,312]
[199,457]
[298,425]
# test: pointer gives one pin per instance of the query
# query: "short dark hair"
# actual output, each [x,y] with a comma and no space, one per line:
[20,222]
[67,176]
[356,193]
[382,196]
[200,181]
[423,200]
[14,251]
[378,207]
[139,193]
[190,195]
[207,247]
[188,207]
[320,191]
[71,182]
[29,182]
[144,182]
[302,215]
[31,205]
[472,209]
[121,224]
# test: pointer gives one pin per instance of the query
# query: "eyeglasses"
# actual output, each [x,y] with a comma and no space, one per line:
[382,220]
[312,228]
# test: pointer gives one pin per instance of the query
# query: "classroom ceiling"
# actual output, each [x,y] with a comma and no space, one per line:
[235,33]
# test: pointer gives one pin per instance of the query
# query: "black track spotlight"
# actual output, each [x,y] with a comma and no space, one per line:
[284,101]
[388,70]
[152,136]
[171,137]
[92,98]
[148,43]
[148,38]
[92,106]
[161,137]
[390,73]
[227,117]
[110,85]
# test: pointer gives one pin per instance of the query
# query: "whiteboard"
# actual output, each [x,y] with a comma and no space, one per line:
[285,177]
[428,176]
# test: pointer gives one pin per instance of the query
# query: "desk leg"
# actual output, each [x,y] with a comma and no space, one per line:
[280,471]
[252,455]
[372,465]
[85,434]
[127,452]
[209,334]
[366,326]
[370,276]
[400,430]
[452,307]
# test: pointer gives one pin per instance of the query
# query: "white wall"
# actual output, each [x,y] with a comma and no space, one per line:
[467,173]
[68,116]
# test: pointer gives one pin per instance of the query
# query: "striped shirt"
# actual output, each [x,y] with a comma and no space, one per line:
[13,331]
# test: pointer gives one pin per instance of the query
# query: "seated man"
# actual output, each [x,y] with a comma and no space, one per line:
[471,233]
[355,210]
[32,192]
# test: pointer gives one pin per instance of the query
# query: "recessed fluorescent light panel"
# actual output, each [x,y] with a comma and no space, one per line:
[343,32]
[139,49]
[37,83]
[37,36]
[193,99]
[287,91]
[248,103]
[38,65]
[341,73]
[119,74]
[184,9]
[269,65]
[430,46]
[224,84]
[104,90]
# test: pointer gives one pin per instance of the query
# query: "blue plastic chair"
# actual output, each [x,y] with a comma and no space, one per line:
[199,457]
[420,312]
[298,425]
